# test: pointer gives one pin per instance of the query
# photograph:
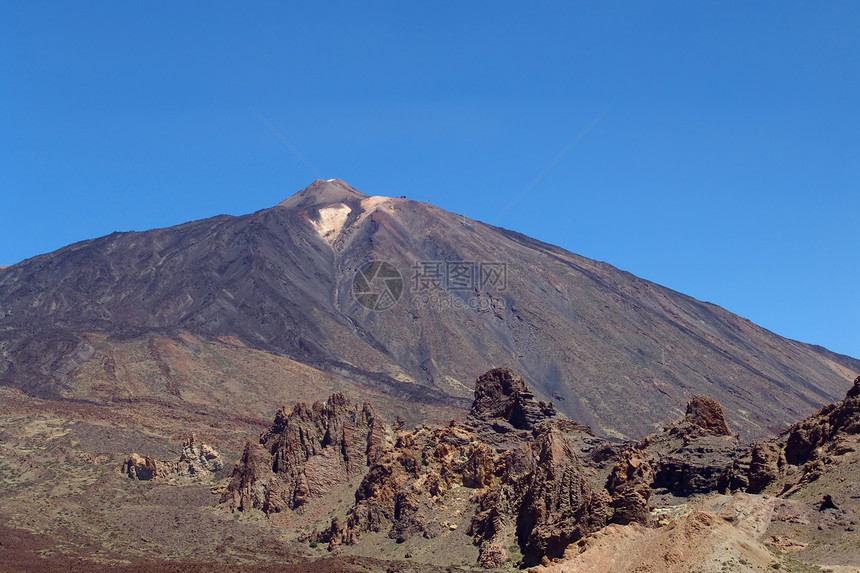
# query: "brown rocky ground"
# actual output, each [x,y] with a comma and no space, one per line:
[66,505]
[805,520]
[335,486]
[715,534]
[712,534]
[222,375]
[534,483]
[22,551]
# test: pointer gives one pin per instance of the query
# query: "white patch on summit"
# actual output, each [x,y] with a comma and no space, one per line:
[371,203]
[331,222]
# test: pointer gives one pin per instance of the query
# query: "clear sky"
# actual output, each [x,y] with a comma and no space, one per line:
[724,162]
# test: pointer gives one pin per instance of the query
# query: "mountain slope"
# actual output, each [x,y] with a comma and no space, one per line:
[608,349]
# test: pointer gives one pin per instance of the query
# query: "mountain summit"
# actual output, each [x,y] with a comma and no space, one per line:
[398,299]
[321,193]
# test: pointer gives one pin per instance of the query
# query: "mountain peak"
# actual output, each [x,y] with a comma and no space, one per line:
[324,192]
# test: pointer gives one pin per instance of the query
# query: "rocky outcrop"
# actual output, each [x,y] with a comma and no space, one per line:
[706,464]
[408,482]
[519,460]
[544,499]
[197,461]
[254,484]
[534,482]
[140,467]
[766,464]
[529,484]
[556,508]
[308,451]
[698,454]
[388,495]
[843,417]
[501,395]
[820,442]
[198,458]
[707,413]
[630,487]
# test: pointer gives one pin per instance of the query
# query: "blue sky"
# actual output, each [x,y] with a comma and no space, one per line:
[724,162]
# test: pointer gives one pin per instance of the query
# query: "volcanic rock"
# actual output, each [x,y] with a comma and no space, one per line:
[540,492]
[502,395]
[705,465]
[308,451]
[529,484]
[536,482]
[843,417]
[140,468]
[707,413]
[253,483]
[554,510]
[525,463]
[767,463]
[197,460]
[697,454]
[630,487]
[543,495]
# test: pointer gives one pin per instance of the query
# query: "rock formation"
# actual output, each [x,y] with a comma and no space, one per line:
[308,451]
[197,460]
[820,441]
[707,413]
[501,395]
[523,463]
[843,417]
[556,508]
[140,467]
[534,482]
[630,487]
[766,464]
[544,499]
[697,454]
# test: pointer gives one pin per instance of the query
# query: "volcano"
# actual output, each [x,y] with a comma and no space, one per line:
[393,299]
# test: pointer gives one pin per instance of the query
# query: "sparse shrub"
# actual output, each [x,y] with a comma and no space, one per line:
[314,544]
